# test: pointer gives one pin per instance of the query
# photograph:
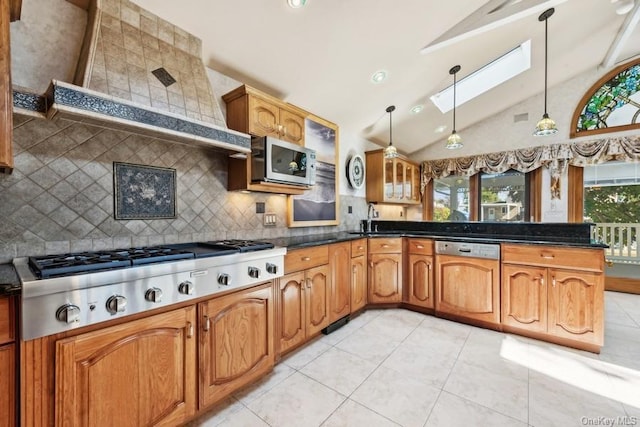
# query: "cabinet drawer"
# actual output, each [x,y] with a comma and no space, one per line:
[6,320]
[385,245]
[301,259]
[358,247]
[420,246]
[553,256]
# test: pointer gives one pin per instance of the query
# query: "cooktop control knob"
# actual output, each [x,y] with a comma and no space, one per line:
[68,313]
[186,288]
[224,279]
[272,268]
[153,295]
[116,304]
[254,272]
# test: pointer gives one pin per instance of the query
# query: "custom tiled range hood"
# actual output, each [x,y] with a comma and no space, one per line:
[140,74]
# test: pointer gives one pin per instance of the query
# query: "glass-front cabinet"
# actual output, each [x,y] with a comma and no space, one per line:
[394,180]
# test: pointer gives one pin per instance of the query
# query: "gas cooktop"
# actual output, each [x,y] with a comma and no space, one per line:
[84,262]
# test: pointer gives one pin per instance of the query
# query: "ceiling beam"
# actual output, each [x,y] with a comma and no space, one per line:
[628,26]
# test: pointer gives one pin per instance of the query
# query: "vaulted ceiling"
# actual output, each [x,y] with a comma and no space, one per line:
[321,57]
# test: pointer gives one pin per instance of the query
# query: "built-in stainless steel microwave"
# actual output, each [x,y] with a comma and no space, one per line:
[273,160]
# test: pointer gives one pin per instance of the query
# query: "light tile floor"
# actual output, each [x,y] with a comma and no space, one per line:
[396,367]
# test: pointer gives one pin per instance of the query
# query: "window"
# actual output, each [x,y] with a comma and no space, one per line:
[451,199]
[504,196]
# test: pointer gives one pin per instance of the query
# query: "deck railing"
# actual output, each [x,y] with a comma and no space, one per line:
[622,239]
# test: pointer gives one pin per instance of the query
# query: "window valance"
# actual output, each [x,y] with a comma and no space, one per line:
[556,157]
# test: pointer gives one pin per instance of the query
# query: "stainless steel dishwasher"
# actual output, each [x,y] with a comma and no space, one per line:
[468,281]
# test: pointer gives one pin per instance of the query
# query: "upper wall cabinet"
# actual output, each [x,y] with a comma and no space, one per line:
[259,114]
[394,180]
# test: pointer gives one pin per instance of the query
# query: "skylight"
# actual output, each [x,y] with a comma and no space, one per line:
[491,75]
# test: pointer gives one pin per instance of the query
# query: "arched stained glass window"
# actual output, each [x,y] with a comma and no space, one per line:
[610,105]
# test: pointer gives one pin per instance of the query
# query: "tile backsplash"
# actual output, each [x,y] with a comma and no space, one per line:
[60,195]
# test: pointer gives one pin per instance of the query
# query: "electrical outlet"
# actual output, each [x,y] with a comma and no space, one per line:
[269,219]
[350,209]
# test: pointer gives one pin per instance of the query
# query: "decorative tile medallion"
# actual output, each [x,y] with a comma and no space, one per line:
[143,192]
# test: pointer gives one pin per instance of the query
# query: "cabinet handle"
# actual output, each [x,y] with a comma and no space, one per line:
[384,245]
[360,248]
[546,256]
[305,258]
[553,281]
[541,280]
[189,330]
[420,246]
[207,323]
[371,264]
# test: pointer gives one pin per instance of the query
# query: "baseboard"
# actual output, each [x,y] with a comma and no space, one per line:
[622,284]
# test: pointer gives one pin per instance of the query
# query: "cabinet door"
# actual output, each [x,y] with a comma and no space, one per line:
[292,311]
[358,283]
[7,385]
[318,285]
[415,187]
[468,287]
[139,373]
[339,262]
[292,129]
[236,342]
[385,276]
[398,168]
[263,118]
[6,92]
[420,281]
[576,305]
[389,175]
[524,297]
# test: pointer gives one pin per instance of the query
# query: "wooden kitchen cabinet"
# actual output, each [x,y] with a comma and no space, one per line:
[304,300]
[419,273]
[524,297]
[554,292]
[7,363]
[255,112]
[385,270]
[137,373]
[359,274]
[236,341]
[6,90]
[468,288]
[340,268]
[394,180]
[7,385]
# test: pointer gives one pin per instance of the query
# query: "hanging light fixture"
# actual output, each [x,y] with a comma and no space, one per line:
[454,141]
[546,125]
[390,152]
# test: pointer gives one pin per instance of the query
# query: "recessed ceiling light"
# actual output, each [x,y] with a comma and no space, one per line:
[296,3]
[440,129]
[417,109]
[379,76]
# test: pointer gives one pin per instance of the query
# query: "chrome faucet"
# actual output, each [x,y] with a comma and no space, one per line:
[370,213]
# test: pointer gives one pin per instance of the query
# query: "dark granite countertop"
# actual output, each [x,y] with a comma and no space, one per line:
[298,242]
[9,281]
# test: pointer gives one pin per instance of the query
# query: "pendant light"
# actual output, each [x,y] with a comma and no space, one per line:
[390,152]
[454,141]
[546,125]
